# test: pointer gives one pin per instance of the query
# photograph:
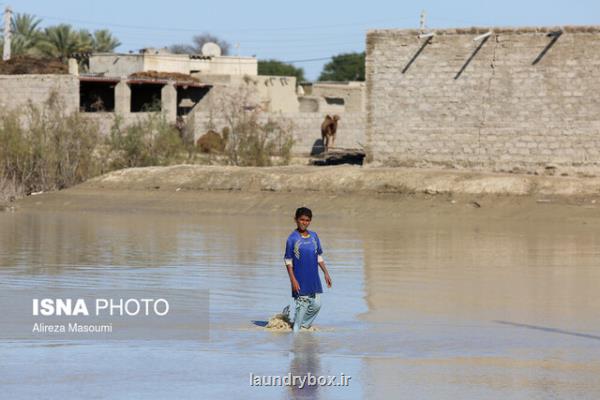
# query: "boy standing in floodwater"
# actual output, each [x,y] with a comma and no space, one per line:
[303,256]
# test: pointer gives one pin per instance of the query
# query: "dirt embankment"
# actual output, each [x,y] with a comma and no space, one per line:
[338,192]
[31,65]
[344,179]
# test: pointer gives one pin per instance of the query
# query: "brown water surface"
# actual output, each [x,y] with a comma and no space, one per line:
[425,304]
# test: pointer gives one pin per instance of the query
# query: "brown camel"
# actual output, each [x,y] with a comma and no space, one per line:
[328,130]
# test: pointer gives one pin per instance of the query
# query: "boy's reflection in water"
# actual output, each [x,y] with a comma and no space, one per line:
[305,359]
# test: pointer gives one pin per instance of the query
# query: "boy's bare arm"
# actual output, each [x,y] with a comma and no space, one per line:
[326,273]
[293,281]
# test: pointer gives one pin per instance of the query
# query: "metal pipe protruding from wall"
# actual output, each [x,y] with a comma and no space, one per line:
[555,33]
[482,36]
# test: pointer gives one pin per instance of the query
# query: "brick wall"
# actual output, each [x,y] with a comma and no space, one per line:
[17,91]
[522,98]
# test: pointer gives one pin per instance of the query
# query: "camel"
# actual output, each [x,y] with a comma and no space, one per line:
[328,130]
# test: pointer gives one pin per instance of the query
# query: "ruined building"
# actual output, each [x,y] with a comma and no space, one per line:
[182,85]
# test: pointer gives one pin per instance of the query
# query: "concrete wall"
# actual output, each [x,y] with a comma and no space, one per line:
[353,94]
[521,98]
[16,91]
[168,63]
[306,128]
[106,121]
[306,124]
[277,93]
[119,65]
[274,93]
[224,65]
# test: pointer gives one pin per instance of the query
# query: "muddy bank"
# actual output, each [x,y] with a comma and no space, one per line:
[339,192]
[343,179]
[365,207]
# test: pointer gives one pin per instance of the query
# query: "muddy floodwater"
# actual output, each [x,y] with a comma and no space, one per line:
[423,306]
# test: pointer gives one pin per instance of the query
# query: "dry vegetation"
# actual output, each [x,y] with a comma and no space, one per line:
[174,76]
[30,65]
[44,148]
[152,141]
[248,137]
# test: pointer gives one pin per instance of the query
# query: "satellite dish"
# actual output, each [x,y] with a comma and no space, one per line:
[211,49]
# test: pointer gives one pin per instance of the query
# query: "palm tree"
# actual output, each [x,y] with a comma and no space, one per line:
[26,33]
[85,41]
[104,41]
[61,41]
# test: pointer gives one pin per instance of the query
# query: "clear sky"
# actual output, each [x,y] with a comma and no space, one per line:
[294,31]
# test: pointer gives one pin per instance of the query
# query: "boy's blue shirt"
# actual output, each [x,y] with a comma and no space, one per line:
[304,252]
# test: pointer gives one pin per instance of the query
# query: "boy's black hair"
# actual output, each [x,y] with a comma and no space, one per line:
[303,211]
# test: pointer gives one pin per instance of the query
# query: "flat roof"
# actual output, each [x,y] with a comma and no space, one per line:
[140,81]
